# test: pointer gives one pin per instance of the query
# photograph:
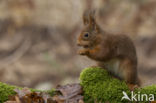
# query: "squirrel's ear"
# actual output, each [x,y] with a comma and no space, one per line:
[89,18]
[92,17]
[85,18]
[92,20]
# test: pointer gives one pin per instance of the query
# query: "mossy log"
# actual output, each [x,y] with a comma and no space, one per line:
[97,85]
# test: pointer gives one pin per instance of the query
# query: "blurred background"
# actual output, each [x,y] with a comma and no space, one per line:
[38,38]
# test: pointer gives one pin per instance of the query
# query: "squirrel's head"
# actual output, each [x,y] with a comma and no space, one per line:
[90,32]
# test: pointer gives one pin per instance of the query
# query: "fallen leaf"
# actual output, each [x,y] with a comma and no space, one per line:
[71,93]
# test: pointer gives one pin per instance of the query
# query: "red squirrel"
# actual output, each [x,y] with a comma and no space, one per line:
[115,53]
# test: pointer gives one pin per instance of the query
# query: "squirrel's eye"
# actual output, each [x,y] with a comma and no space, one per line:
[86,35]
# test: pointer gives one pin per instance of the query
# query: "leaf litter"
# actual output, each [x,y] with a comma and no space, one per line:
[70,93]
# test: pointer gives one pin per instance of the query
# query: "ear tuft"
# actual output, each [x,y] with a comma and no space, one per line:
[92,17]
[89,17]
[86,17]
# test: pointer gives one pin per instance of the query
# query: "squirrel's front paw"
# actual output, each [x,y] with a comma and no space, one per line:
[83,52]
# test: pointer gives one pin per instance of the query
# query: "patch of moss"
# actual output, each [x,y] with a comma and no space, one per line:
[146,90]
[51,92]
[5,92]
[99,86]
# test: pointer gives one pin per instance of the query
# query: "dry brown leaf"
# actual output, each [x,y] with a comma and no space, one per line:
[70,93]
[70,89]
[22,92]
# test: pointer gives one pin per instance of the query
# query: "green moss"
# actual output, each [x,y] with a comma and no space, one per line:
[5,92]
[99,86]
[51,92]
[147,90]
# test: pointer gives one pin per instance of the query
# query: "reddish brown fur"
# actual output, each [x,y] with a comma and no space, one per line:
[116,53]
